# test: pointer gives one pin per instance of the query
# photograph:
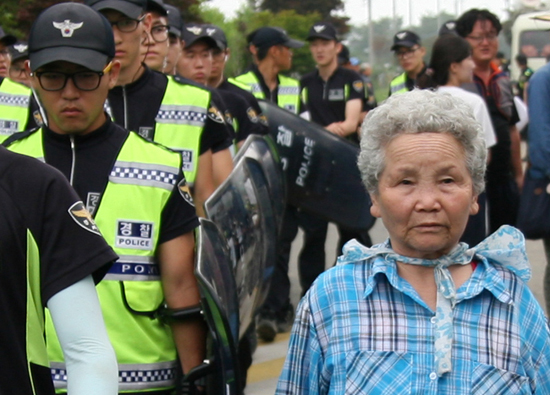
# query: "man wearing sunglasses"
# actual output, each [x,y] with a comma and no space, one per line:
[135,190]
[410,53]
[167,110]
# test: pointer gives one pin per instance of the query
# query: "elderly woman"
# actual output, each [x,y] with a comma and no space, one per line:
[422,313]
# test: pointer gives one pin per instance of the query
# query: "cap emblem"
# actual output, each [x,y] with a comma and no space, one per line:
[319,28]
[20,47]
[450,25]
[210,31]
[195,30]
[67,27]
[401,35]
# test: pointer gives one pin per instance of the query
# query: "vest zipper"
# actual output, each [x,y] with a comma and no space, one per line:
[325,93]
[73,160]
[125,108]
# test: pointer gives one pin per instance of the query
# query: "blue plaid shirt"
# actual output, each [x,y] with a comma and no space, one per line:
[361,329]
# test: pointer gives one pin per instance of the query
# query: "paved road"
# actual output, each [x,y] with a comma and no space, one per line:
[269,358]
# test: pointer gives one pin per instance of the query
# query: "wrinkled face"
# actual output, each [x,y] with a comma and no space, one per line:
[128,44]
[175,49]
[196,62]
[324,52]
[5,60]
[411,59]
[71,110]
[464,71]
[425,194]
[157,44]
[484,41]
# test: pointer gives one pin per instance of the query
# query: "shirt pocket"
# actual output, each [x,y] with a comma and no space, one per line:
[487,379]
[378,373]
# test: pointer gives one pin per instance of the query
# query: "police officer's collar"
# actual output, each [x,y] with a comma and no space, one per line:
[260,77]
[334,73]
[143,79]
[94,137]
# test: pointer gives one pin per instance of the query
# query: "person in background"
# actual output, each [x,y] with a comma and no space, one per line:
[273,52]
[157,44]
[366,72]
[421,310]
[19,54]
[504,172]
[410,53]
[525,74]
[502,63]
[5,41]
[133,188]
[450,67]
[175,45]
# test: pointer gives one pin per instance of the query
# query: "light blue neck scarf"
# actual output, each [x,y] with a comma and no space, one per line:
[505,247]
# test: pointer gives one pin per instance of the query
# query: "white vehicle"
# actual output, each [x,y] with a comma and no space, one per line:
[530,36]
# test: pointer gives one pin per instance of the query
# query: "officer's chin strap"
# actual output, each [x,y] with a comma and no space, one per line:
[193,381]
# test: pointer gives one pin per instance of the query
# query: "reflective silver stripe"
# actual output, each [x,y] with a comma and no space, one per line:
[181,115]
[134,377]
[9,99]
[134,268]
[288,90]
[256,88]
[144,174]
[396,88]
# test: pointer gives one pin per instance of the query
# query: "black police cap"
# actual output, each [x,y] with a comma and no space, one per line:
[323,30]
[6,39]
[217,34]
[131,8]
[405,38]
[266,37]
[175,21]
[194,32]
[71,32]
[19,50]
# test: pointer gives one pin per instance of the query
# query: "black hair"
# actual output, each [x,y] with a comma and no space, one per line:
[447,49]
[465,24]
[521,59]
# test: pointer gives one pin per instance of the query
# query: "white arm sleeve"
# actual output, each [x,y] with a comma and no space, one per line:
[91,362]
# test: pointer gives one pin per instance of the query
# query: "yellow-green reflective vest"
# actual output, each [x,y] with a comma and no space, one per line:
[14,107]
[129,215]
[398,84]
[180,122]
[288,91]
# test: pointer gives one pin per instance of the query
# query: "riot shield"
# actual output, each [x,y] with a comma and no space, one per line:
[320,169]
[219,306]
[241,208]
[264,151]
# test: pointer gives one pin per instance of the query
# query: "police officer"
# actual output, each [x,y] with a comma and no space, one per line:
[51,253]
[17,111]
[136,191]
[164,109]
[175,45]
[196,64]
[252,119]
[273,52]
[410,53]
[157,44]
[19,54]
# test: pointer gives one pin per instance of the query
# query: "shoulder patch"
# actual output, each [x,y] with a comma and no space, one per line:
[215,114]
[83,218]
[358,85]
[228,117]
[252,115]
[185,192]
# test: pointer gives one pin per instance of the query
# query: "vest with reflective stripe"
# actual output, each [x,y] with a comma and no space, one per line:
[288,91]
[398,84]
[14,107]
[129,215]
[180,122]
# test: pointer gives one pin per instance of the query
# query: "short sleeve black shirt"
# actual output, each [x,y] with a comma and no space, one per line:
[36,208]
[326,100]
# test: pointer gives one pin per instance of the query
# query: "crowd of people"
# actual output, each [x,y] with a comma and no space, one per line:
[132,107]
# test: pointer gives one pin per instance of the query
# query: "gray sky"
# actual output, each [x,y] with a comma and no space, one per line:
[357,9]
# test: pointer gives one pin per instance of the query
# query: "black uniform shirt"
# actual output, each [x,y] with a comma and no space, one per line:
[326,100]
[95,155]
[253,109]
[37,200]
[135,107]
